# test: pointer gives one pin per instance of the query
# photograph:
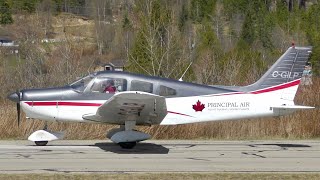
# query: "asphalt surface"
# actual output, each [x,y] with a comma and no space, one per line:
[160,156]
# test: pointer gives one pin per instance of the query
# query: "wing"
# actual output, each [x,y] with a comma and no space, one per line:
[144,108]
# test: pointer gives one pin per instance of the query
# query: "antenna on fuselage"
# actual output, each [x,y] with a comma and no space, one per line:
[185,71]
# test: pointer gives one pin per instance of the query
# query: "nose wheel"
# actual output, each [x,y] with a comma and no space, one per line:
[42,137]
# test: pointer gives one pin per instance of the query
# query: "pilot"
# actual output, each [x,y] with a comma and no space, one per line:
[109,87]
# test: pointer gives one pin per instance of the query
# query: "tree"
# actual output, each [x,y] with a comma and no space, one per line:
[312,29]
[208,55]
[248,31]
[158,49]
[104,29]
[127,32]
[45,12]
[29,5]
[201,9]
[5,13]
[258,24]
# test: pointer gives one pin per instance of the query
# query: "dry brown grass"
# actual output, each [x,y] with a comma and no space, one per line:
[300,125]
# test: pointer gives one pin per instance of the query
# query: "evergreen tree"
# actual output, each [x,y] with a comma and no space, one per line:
[126,24]
[5,13]
[312,29]
[29,5]
[183,18]
[201,9]
[258,24]
[248,31]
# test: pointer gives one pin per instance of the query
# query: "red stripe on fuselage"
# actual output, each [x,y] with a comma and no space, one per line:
[78,104]
[52,103]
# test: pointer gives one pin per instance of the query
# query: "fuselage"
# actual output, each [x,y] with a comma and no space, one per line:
[186,102]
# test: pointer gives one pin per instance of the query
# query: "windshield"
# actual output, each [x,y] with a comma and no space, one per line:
[82,83]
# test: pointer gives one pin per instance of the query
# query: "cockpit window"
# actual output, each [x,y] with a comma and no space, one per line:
[82,83]
[108,85]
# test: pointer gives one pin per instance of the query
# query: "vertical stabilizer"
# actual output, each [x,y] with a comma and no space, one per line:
[283,78]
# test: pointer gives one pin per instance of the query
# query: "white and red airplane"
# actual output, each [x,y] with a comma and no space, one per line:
[131,100]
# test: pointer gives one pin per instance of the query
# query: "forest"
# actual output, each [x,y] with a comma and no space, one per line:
[226,42]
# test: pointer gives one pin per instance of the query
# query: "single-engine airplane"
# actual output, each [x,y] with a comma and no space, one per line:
[131,100]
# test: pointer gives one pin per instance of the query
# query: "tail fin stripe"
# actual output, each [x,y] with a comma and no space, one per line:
[278,87]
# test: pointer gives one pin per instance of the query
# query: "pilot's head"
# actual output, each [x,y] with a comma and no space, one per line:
[110,83]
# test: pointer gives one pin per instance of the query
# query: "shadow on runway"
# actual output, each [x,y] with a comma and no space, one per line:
[287,145]
[140,148]
[283,145]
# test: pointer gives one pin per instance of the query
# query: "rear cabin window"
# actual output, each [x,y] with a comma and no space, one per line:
[166,91]
[141,86]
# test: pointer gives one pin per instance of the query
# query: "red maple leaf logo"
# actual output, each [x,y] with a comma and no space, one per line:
[198,106]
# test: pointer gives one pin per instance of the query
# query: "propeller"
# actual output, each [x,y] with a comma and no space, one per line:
[18,106]
[16,97]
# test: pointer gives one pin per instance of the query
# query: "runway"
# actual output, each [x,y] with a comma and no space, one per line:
[160,156]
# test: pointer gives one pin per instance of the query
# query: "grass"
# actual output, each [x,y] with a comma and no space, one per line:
[184,176]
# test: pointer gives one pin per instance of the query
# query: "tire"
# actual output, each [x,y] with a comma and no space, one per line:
[41,143]
[127,145]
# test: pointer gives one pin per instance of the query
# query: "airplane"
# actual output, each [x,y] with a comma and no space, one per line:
[140,100]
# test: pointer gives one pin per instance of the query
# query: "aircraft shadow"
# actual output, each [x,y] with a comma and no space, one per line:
[284,145]
[140,148]
[287,145]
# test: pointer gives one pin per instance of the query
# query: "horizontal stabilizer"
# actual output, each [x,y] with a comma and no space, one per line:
[292,107]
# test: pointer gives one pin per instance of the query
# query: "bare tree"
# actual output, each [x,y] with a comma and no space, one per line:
[44,14]
[104,29]
[160,50]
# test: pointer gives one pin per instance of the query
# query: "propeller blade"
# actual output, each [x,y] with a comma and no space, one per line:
[18,107]
[18,112]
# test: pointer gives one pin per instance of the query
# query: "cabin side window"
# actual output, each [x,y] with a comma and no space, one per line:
[167,91]
[108,85]
[141,86]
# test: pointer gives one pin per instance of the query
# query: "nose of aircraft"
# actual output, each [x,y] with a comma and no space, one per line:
[14,97]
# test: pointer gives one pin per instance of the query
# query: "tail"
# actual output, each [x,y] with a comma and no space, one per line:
[283,78]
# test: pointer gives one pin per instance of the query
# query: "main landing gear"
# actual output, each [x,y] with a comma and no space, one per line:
[126,136]
[42,137]
[127,145]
